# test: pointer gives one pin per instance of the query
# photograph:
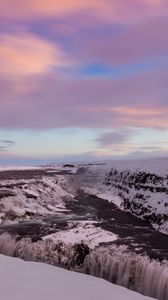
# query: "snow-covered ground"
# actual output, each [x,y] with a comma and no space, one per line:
[50,168]
[36,281]
[140,187]
[21,168]
[84,232]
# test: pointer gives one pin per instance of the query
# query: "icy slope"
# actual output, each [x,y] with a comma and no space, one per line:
[25,280]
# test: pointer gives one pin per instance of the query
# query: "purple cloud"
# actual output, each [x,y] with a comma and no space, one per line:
[114,138]
[141,42]
[45,102]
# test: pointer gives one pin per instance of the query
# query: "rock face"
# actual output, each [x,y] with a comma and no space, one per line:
[143,194]
[68,166]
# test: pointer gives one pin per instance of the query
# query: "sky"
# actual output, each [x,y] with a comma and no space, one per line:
[83,80]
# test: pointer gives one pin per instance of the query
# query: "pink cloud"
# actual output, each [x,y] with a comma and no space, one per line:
[25,54]
[109,11]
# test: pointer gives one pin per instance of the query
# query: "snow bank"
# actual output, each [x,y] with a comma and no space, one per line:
[18,168]
[36,281]
[84,232]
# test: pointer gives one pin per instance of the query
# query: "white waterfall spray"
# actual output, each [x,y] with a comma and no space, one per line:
[130,270]
[7,245]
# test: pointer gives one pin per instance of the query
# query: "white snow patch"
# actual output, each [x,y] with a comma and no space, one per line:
[84,232]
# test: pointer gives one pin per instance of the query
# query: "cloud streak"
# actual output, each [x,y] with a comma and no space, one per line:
[6,144]
[52,102]
[114,138]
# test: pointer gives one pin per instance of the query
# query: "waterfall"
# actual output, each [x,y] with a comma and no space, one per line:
[57,254]
[135,272]
[117,265]
[7,245]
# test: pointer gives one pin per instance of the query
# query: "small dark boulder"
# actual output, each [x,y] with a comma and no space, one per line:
[68,166]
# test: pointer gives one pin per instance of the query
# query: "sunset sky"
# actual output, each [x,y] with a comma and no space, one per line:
[83,79]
